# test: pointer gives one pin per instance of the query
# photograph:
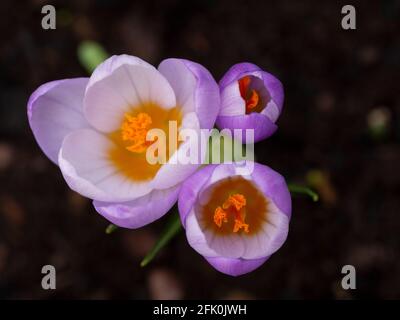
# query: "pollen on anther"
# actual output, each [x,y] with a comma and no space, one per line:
[233,206]
[220,216]
[236,200]
[134,130]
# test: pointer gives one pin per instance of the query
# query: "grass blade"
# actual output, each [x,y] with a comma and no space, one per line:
[298,189]
[170,231]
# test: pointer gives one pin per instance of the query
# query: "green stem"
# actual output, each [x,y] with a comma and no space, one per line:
[91,54]
[111,228]
[294,188]
[170,231]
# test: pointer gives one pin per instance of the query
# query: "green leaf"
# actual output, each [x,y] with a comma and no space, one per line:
[111,228]
[294,188]
[170,231]
[91,54]
[222,147]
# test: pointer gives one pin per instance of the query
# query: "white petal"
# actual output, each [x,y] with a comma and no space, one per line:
[227,246]
[271,111]
[244,168]
[107,67]
[126,87]
[197,238]
[85,166]
[221,172]
[232,103]
[182,81]
[209,244]
[190,121]
[270,238]
[175,170]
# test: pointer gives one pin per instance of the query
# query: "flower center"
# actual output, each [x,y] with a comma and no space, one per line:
[228,205]
[234,206]
[128,153]
[249,95]
[134,131]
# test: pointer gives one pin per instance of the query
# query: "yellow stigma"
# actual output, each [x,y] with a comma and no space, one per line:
[134,130]
[234,205]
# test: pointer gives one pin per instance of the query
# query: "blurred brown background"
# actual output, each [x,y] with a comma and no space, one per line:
[339,133]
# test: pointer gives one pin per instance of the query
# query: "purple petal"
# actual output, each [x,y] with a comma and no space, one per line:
[236,72]
[274,87]
[207,98]
[262,125]
[271,83]
[139,212]
[235,267]
[233,254]
[54,111]
[182,81]
[264,243]
[190,190]
[274,186]
[204,241]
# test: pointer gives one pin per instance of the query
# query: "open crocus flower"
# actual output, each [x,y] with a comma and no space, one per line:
[96,129]
[250,99]
[235,215]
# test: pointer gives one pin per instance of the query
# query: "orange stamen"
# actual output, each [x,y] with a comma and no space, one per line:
[134,129]
[237,200]
[234,205]
[239,224]
[220,216]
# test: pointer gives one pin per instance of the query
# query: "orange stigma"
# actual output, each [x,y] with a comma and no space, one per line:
[134,131]
[234,205]
[220,216]
[252,102]
[251,97]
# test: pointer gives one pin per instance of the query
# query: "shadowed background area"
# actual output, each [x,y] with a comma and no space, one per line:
[339,133]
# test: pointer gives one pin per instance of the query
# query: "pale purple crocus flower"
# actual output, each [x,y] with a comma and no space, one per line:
[251,98]
[94,129]
[235,215]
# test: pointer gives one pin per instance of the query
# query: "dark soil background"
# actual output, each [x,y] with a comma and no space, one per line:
[339,133]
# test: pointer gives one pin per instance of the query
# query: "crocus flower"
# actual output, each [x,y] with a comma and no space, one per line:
[95,130]
[235,215]
[250,99]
